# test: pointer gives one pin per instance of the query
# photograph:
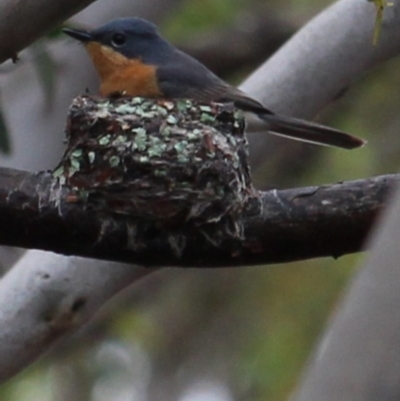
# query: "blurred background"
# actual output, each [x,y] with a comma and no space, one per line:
[194,335]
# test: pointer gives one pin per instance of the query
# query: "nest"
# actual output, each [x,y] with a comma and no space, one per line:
[171,165]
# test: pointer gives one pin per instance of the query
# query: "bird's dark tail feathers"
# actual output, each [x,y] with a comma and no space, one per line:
[310,132]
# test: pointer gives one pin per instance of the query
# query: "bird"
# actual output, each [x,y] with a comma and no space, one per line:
[132,58]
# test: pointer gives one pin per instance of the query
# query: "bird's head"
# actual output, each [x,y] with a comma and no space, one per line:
[122,40]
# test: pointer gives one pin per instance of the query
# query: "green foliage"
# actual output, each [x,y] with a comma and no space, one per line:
[291,304]
[55,33]
[32,385]
[196,15]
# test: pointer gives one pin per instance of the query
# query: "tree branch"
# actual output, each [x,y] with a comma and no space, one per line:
[294,224]
[18,29]
[41,305]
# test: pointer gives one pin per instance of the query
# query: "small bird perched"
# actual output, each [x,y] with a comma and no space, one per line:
[132,58]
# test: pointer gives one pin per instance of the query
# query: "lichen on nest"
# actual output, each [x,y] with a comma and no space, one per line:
[168,164]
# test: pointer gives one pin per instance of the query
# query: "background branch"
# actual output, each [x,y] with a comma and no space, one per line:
[19,28]
[60,300]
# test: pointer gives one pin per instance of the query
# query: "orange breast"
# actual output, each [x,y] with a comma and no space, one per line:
[120,74]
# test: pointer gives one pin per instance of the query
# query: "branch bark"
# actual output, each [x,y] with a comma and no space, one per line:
[286,225]
[39,305]
[18,29]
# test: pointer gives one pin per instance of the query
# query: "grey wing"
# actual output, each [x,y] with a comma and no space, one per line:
[185,77]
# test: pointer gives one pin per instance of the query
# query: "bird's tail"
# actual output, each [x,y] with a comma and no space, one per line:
[310,132]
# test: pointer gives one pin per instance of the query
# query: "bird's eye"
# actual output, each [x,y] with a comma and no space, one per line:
[118,40]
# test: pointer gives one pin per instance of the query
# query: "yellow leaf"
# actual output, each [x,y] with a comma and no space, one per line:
[380,6]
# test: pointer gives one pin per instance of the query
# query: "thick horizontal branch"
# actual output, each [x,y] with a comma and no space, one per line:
[282,225]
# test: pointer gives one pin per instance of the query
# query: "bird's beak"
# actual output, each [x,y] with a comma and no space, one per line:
[82,36]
